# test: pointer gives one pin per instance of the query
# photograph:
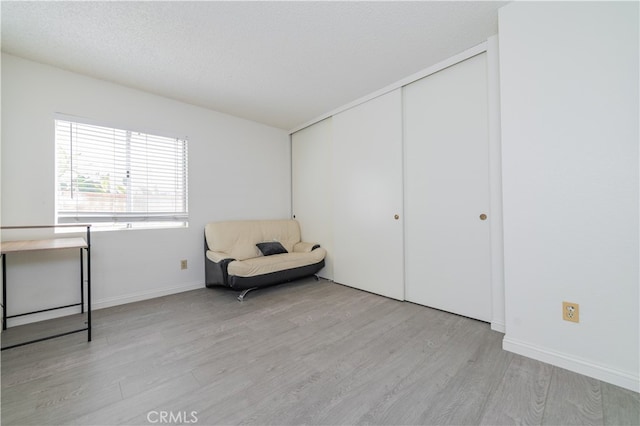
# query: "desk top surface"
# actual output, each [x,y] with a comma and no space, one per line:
[48,244]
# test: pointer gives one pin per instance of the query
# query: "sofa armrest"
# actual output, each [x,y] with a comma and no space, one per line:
[218,256]
[215,268]
[303,247]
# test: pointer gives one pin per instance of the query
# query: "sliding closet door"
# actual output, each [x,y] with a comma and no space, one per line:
[311,155]
[448,257]
[367,172]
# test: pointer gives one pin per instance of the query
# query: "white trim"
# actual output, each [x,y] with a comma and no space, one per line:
[42,316]
[291,212]
[495,186]
[606,374]
[145,295]
[498,326]
[475,50]
[108,302]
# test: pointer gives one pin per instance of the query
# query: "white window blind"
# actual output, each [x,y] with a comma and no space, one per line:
[119,176]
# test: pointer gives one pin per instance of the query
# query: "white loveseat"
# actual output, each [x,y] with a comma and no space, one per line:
[233,258]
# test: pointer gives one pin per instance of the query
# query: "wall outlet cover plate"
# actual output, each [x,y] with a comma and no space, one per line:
[570,311]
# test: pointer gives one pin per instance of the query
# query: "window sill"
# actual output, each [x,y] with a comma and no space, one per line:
[110,227]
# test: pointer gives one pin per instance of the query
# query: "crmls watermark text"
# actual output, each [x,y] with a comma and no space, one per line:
[160,417]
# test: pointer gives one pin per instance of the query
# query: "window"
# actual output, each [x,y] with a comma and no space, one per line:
[119,178]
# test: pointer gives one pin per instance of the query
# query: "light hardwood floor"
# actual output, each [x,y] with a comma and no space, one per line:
[302,353]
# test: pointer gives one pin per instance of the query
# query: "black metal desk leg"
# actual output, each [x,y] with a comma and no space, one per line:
[4,291]
[88,284]
[81,282]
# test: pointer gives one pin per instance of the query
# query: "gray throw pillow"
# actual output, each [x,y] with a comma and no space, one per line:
[270,248]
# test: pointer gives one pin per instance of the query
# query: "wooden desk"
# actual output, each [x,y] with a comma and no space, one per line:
[34,245]
[49,244]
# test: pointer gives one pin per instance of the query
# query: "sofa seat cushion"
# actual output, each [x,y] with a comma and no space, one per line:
[275,263]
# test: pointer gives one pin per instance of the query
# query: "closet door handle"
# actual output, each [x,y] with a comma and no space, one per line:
[483,216]
[396,216]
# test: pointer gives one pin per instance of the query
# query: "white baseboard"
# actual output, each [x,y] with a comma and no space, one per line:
[42,316]
[572,363]
[498,326]
[108,302]
[144,295]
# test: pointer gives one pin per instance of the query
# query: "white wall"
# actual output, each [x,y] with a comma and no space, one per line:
[238,169]
[569,97]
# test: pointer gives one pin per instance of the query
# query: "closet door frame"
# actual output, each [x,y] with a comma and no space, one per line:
[495,158]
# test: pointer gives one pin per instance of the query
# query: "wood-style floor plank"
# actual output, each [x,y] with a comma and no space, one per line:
[621,406]
[302,353]
[573,399]
[521,395]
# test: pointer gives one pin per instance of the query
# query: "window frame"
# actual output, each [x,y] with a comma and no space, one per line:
[130,219]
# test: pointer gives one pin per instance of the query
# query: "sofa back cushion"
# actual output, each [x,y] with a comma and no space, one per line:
[238,239]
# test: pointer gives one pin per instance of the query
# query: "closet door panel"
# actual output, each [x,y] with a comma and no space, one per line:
[367,221]
[311,159]
[448,259]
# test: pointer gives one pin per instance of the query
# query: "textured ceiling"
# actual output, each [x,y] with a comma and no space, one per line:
[278,63]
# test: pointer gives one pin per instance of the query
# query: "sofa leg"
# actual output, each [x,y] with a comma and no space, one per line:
[316,277]
[244,293]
